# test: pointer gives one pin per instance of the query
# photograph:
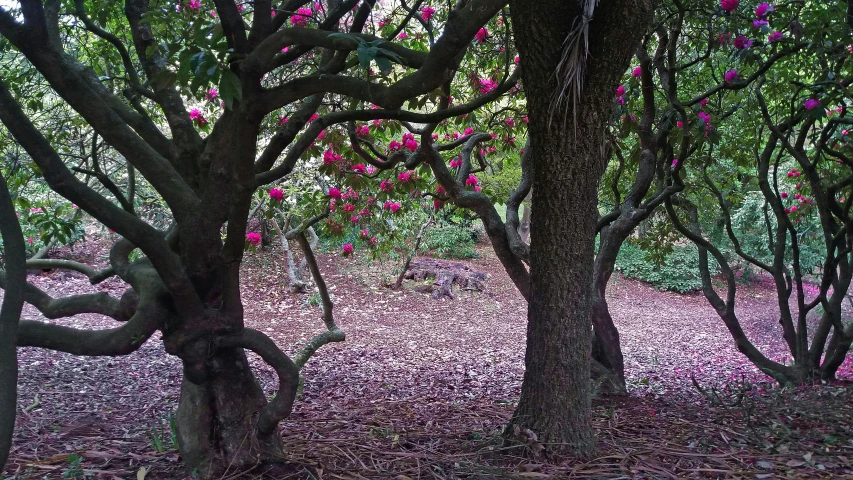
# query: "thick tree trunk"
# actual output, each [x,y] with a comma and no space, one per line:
[216,421]
[568,152]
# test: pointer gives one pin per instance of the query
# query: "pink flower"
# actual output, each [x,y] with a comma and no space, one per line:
[440,190]
[784,195]
[705,117]
[793,208]
[213,13]
[811,104]
[730,76]
[704,102]
[314,117]
[330,158]
[762,10]
[348,249]
[362,130]
[354,219]
[729,5]
[394,145]
[332,205]
[472,180]
[349,208]
[30,240]
[680,124]
[282,120]
[477,189]
[211,94]
[197,117]
[359,168]
[509,121]
[403,36]
[481,35]
[844,132]
[674,162]
[372,241]
[277,194]
[405,177]
[365,233]
[253,238]
[620,90]
[455,135]
[195,4]
[386,185]
[364,212]
[300,18]
[468,131]
[335,193]
[487,85]
[525,119]
[36,210]
[437,204]
[455,162]
[427,13]
[774,37]
[724,38]
[638,71]
[760,23]
[742,42]
[411,145]
[391,206]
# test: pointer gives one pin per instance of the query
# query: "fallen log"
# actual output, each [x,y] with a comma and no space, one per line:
[445,275]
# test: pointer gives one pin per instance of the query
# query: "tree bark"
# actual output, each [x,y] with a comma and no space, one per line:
[10,314]
[568,163]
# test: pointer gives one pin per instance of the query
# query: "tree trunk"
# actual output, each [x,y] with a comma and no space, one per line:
[568,163]
[524,226]
[216,421]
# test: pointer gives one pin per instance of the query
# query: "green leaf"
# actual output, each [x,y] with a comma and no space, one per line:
[229,88]
[366,54]
[383,63]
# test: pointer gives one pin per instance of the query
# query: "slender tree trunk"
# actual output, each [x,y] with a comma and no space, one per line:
[568,164]
[10,315]
[524,226]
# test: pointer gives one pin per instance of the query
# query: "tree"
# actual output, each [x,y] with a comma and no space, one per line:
[567,159]
[152,98]
[786,158]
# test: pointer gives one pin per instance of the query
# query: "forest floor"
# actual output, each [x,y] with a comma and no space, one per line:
[422,387]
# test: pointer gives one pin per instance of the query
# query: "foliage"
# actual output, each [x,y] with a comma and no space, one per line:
[450,240]
[675,271]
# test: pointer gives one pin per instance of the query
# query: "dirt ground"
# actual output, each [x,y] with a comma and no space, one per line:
[421,388]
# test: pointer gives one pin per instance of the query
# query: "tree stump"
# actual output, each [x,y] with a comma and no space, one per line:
[445,275]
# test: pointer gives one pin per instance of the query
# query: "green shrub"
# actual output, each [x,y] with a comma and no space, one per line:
[677,270]
[449,240]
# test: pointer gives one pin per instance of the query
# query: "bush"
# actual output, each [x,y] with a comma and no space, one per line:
[677,270]
[449,240]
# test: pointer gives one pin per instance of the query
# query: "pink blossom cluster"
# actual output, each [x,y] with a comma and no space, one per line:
[427,13]
[197,117]
[300,18]
[277,194]
[253,238]
[481,35]
[409,142]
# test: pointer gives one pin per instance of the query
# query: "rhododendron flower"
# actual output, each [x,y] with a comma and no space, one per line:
[674,162]
[348,249]
[253,238]
[403,36]
[350,193]
[811,104]
[509,121]
[472,180]
[195,115]
[277,194]
[620,90]
[468,131]
[364,212]
[705,117]
[440,190]
[798,196]
[487,85]
[784,195]
[455,162]
[525,119]
[793,208]
[285,49]
[844,132]
[427,13]
[394,145]
[332,205]
[314,116]
[774,37]
[481,35]
[362,130]
[477,189]
[411,145]
[680,124]
[321,135]
[455,135]
[392,206]
[762,10]
[760,23]
[434,137]
[195,4]
[359,168]
[365,233]
[799,185]
[841,199]
[354,219]
[300,18]
[30,240]
[637,72]
[213,13]
[742,42]
[724,38]
[282,120]
[349,207]
[330,158]
[211,94]
[371,169]
[372,241]
[729,5]
[405,177]
[386,185]
[704,102]
[437,204]
[492,149]
[730,75]
[335,193]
